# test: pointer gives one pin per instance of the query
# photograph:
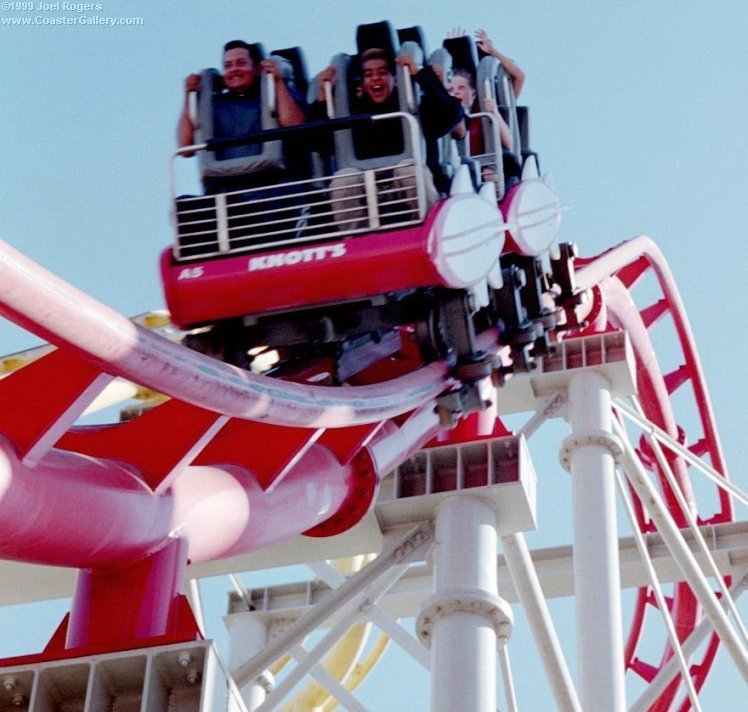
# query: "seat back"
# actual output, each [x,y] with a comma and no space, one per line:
[413,34]
[380,35]
[408,91]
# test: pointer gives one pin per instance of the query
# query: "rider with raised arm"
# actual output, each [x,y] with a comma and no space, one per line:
[516,75]
[439,113]
[234,105]
[237,110]
[463,87]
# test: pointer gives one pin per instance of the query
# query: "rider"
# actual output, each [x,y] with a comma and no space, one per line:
[237,109]
[438,115]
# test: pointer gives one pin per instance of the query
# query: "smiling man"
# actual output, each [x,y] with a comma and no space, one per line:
[237,110]
[377,97]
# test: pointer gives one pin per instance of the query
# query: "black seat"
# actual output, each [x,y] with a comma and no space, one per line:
[379,35]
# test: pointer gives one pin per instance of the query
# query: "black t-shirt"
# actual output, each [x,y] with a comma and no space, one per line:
[438,114]
[379,138]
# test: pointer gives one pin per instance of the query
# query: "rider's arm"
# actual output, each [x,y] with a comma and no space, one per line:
[517,75]
[185,127]
[290,113]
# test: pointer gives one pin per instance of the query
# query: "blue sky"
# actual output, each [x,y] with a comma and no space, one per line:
[637,109]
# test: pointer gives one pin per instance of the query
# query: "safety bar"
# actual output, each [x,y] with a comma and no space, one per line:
[310,127]
[301,211]
[493,159]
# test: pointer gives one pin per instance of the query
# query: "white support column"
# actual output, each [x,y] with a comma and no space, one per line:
[465,618]
[248,636]
[589,453]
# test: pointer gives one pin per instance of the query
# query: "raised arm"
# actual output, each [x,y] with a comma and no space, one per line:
[185,127]
[460,130]
[439,113]
[289,111]
[517,75]
[326,76]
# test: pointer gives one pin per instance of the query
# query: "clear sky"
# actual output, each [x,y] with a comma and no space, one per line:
[637,109]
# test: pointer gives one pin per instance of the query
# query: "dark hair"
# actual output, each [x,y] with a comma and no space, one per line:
[465,74]
[375,53]
[237,44]
[254,50]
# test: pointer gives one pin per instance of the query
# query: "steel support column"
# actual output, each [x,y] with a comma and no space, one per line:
[464,619]
[589,455]
[248,635]
[114,607]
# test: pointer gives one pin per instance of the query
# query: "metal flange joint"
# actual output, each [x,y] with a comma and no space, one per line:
[470,600]
[600,438]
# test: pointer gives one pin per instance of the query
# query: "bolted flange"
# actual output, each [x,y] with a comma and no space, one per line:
[266,680]
[592,437]
[470,600]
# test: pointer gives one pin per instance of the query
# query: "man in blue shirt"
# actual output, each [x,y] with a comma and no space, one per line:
[237,111]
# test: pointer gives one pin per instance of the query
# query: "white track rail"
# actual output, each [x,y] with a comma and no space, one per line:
[35,299]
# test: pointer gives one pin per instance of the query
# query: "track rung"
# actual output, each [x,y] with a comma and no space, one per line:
[653,313]
[700,447]
[631,273]
[675,379]
[644,670]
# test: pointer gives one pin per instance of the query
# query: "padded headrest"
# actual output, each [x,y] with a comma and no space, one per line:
[413,34]
[488,74]
[346,78]
[296,57]
[408,92]
[377,34]
[413,49]
[212,79]
[464,53]
[443,58]
[286,67]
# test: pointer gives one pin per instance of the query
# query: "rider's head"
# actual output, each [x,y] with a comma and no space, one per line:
[463,87]
[239,70]
[377,75]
